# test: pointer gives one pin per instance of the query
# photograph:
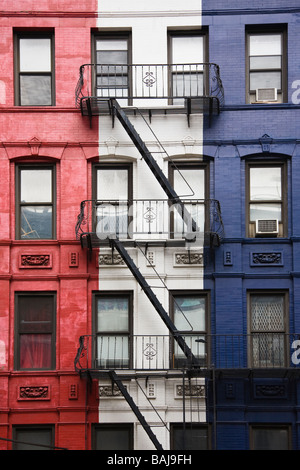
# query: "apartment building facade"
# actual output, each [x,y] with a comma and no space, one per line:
[149,206]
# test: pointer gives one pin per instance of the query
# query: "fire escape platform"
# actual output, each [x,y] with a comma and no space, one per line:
[150,88]
[206,373]
[91,240]
[96,106]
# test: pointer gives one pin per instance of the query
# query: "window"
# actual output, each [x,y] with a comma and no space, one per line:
[112,73]
[266,66]
[113,326]
[112,188]
[34,70]
[33,437]
[270,437]
[35,209]
[189,437]
[190,184]
[35,331]
[268,328]
[187,56]
[189,312]
[113,437]
[267,199]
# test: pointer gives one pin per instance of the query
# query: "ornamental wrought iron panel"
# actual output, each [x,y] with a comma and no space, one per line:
[170,82]
[220,352]
[148,219]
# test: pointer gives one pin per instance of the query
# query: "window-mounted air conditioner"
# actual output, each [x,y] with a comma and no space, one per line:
[266,95]
[266,228]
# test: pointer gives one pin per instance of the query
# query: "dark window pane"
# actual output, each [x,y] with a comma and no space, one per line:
[35,90]
[35,313]
[113,439]
[190,438]
[40,437]
[270,439]
[36,222]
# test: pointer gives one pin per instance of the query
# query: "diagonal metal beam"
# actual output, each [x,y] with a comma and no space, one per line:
[155,302]
[115,378]
[152,164]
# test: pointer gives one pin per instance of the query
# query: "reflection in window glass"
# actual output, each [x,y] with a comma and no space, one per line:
[34,72]
[189,184]
[112,331]
[36,222]
[265,190]
[35,203]
[190,319]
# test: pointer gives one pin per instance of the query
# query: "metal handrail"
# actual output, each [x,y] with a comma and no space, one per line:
[268,350]
[150,81]
[130,218]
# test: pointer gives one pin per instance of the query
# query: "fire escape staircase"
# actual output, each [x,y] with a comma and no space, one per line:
[192,361]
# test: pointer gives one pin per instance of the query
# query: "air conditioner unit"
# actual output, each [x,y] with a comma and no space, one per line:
[266,227]
[266,95]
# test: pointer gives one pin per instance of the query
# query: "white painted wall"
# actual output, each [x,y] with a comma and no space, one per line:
[149,22]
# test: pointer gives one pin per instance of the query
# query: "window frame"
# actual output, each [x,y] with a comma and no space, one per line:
[270,426]
[18,330]
[283,223]
[17,73]
[206,333]
[187,33]
[251,333]
[189,426]
[267,30]
[128,426]
[18,204]
[114,35]
[182,165]
[113,167]
[128,332]
[38,427]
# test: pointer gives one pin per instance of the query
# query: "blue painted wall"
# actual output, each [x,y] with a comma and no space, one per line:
[232,138]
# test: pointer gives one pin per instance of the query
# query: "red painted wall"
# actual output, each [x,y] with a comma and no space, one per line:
[57,134]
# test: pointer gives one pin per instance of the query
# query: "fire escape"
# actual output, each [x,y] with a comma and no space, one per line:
[119,92]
